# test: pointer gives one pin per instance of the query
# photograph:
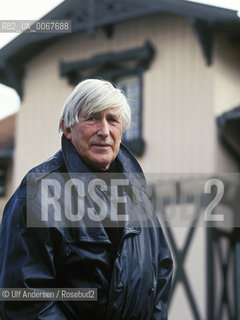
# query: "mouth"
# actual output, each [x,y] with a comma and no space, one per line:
[101,145]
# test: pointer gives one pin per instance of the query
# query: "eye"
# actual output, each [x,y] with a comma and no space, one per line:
[113,119]
[91,118]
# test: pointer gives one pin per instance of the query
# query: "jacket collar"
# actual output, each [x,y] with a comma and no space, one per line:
[72,159]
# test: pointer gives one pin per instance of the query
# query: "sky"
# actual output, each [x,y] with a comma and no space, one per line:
[34,10]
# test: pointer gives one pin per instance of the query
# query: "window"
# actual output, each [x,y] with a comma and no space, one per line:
[3,180]
[131,86]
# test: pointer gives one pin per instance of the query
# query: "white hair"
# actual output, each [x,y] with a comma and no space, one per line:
[92,96]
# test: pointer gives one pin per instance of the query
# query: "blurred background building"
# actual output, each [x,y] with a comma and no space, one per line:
[179,64]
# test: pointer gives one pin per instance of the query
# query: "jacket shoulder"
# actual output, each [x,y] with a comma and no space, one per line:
[51,164]
[128,160]
[54,163]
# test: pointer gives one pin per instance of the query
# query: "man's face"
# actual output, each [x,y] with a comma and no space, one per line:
[97,137]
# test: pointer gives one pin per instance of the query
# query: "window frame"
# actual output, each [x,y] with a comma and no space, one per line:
[3,178]
[137,146]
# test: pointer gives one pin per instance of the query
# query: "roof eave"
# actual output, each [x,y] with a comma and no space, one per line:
[27,45]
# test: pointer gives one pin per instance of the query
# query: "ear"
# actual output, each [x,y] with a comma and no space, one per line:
[66,131]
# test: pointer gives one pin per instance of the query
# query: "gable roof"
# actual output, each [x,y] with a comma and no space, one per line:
[87,15]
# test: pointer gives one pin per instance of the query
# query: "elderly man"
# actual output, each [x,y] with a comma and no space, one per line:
[127,261]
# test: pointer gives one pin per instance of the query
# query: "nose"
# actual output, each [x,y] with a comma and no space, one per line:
[103,129]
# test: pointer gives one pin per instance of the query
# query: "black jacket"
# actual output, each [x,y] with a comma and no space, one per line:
[133,281]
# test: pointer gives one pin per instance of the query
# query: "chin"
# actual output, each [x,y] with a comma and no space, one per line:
[103,163]
[98,163]
[102,159]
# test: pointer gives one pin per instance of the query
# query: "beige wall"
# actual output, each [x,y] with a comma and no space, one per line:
[178,92]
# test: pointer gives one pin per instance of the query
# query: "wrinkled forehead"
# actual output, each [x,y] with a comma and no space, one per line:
[107,111]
